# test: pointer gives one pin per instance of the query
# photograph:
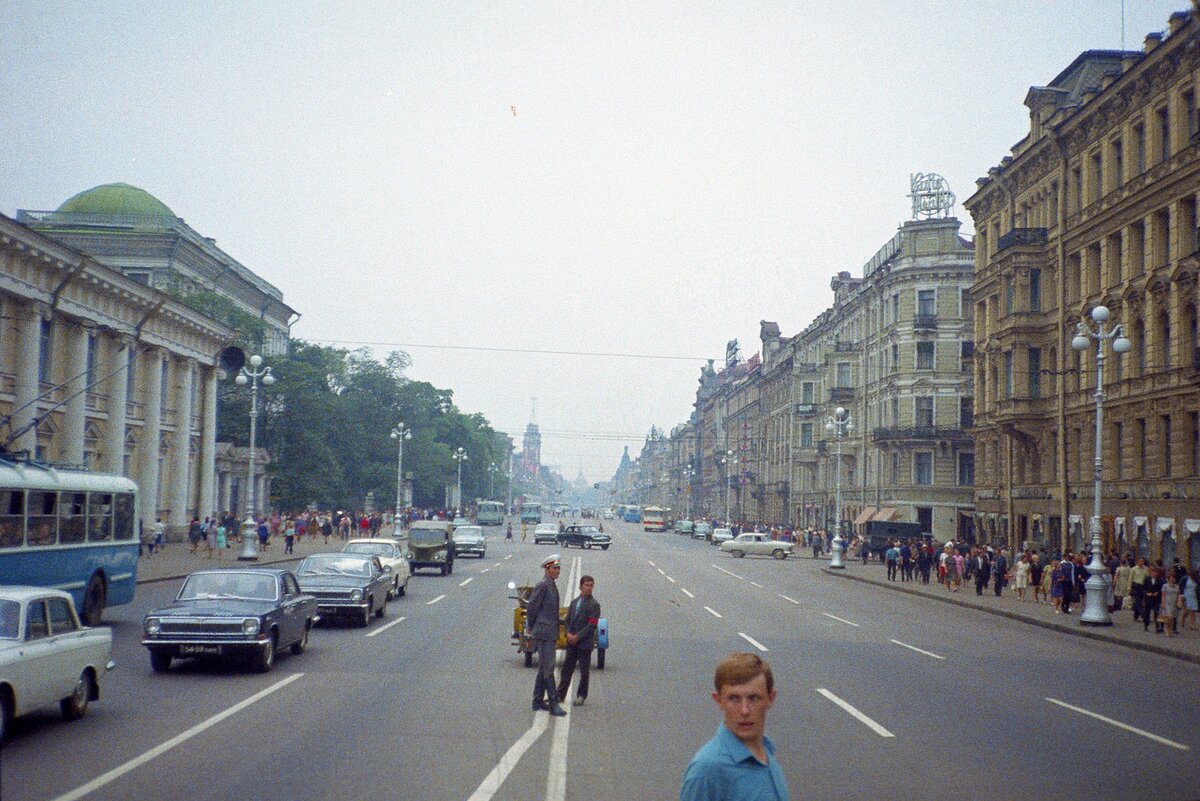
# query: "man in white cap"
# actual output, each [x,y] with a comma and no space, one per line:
[541,623]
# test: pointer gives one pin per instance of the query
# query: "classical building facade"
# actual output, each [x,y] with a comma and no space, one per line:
[1096,206]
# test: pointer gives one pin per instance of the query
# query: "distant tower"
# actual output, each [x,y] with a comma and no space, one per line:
[531,445]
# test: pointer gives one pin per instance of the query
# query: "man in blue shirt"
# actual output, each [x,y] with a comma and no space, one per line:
[739,762]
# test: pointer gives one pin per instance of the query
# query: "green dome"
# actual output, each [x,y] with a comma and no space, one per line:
[116,199]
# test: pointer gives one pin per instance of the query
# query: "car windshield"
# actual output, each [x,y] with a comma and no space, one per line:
[547,527]
[10,619]
[588,530]
[228,586]
[468,531]
[418,535]
[335,565]
[376,548]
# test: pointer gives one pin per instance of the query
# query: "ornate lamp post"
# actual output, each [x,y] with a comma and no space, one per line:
[492,479]
[688,473]
[251,376]
[459,456]
[399,433]
[725,460]
[1095,606]
[840,425]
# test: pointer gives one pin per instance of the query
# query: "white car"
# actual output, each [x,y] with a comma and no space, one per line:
[47,656]
[545,532]
[758,544]
[390,555]
[470,539]
[721,535]
[607,514]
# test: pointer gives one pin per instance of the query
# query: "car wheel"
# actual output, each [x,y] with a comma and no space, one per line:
[587,546]
[299,645]
[738,554]
[528,659]
[94,598]
[265,659]
[779,553]
[366,615]
[160,660]
[600,658]
[75,705]
[382,610]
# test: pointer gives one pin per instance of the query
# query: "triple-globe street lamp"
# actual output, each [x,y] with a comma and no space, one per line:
[251,376]
[1095,605]
[400,433]
[459,456]
[725,460]
[839,425]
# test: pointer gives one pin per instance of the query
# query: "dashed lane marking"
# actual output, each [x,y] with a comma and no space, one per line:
[713,612]
[753,641]
[1119,724]
[435,600]
[918,650]
[756,584]
[730,573]
[465,582]
[685,592]
[670,579]
[854,713]
[784,597]
[486,569]
[661,572]
[382,629]
[840,619]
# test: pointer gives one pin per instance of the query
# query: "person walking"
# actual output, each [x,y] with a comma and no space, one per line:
[1036,568]
[892,557]
[541,625]
[508,537]
[1021,576]
[1122,579]
[1066,584]
[739,762]
[1168,613]
[1190,595]
[222,539]
[583,615]
[999,572]
[979,570]
[1151,598]
[289,535]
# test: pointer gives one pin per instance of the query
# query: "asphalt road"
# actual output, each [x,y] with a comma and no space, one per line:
[881,695]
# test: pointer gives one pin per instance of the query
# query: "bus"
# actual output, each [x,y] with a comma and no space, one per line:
[531,512]
[490,513]
[631,513]
[70,529]
[656,518]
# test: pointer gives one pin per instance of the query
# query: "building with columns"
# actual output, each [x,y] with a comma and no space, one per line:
[100,370]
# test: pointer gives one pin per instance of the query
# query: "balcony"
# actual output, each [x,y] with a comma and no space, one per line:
[845,347]
[808,367]
[841,394]
[806,409]
[921,433]
[925,322]
[1022,237]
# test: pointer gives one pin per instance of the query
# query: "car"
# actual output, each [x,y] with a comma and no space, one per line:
[470,539]
[702,531]
[684,527]
[545,532]
[391,554]
[461,521]
[346,584]
[244,613]
[584,535]
[587,511]
[758,544]
[431,544]
[721,535]
[47,656]
[607,514]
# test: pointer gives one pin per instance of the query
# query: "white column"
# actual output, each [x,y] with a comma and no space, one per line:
[227,492]
[29,344]
[207,504]
[181,445]
[75,376]
[148,445]
[118,394]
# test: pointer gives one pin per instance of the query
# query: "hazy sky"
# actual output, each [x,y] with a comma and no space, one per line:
[672,174]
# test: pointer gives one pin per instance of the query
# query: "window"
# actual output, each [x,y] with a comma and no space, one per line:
[806,435]
[895,411]
[1139,345]
[926,302]
[923,468]
[47,343]
[843,374]
[1093,269]
[895,308]
[1139,147]
[1035,289]
[966,350]
[1008,374]
[1164,340]
[1164,133]
[91,362]
[1076,188]
[1189,109]
[1074,277]
[923,405]
[964,302]
[1162,237]
[72,522]
[966,412]
[1053,197]
[966,470]
[808,392]
[1137,248]
[924,355]
[895,468]
[1116,260]
[1165,427]
[1097,177]
[164,386]
[895,357]
[1009,294]
[1118,164]
[61,619]
[1141,446]
[1195,416]
[1035,372]
[36,625]
[1118,438]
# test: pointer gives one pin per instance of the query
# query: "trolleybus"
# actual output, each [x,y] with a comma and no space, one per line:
[490,513]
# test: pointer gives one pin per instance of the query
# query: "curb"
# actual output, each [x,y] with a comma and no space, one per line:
[1077,631]
[258,563]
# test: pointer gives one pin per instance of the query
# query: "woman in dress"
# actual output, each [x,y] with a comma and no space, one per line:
[1021,576]
[1122,582]
[1056,587]
[1191,601]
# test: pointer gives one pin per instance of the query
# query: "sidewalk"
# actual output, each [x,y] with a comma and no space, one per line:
[1124,630]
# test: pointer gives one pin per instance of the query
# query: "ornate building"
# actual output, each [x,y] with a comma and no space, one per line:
[1096,206]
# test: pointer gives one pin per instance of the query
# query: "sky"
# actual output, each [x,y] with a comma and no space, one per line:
[578,202]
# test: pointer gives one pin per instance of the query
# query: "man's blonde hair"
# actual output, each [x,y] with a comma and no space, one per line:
[740,668]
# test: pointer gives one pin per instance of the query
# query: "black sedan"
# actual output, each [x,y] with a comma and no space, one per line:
[355,585]
[234,612]
[584,536]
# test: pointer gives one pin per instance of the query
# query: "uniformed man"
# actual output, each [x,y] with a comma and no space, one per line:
[541,623]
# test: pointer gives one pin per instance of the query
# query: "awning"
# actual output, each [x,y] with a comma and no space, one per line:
[1165,523]
[885,514]
[1192,526]
[863,516]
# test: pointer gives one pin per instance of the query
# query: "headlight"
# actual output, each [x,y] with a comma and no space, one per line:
[355,595]
[250,626]
[152,625]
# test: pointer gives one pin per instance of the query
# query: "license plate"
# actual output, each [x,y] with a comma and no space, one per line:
[199,649]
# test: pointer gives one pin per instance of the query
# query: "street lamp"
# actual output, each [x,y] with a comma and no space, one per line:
[840,425]
[1095,605]
[492,480]
[459,456]
[725,460]
[399,433]
[688,473]
[251,376]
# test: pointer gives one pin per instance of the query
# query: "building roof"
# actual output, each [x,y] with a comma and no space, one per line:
[116,199]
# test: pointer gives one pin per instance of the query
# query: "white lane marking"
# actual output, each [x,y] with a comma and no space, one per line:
[753,641]
[486,569]
[158,750]
[918,650]
[671,580]
[756,584]
[507,557]
[784,597]
[512,756]
[729,572]
[685,592]
[651,563]
[840,620]
[466,582]
[713,612]
[382,629]
[661,572]
[556,777]
[1119,724]
[854,713]
[435,600]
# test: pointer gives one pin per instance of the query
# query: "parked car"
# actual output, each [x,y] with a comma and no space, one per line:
[584,535]
[47,656]
[757,544]
[545,532]
[470,539]
[684,527]
[346,584]
[431,544]
[391,554]
[232,612]
[702,531]
[721,535]
[607,514]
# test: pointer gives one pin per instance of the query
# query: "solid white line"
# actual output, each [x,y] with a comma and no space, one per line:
[493,780]
[735,575]
[158,750]
[918,650]
[435,600]
[671,579]
[661,572]
[756,584]
[859,716]
[556,777]
[840,620]
[685,592]
[1119,724]
[466,582]
[753,641]
[784,597]
[382,629]
[713,612]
